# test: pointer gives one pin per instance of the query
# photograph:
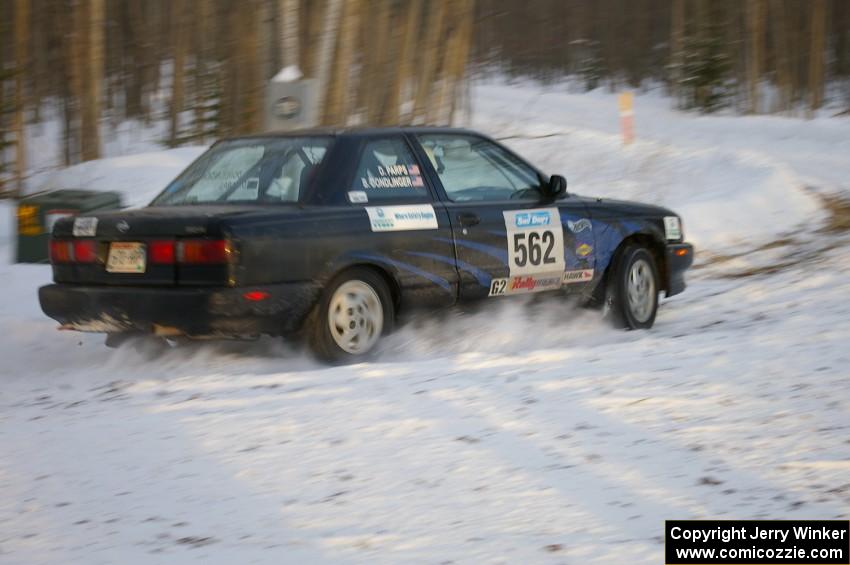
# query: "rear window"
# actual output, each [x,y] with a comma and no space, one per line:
[248,170]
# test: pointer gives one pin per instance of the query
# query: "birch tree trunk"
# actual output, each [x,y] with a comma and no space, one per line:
[324,56]
[92,78]
[337,106]
[289,14]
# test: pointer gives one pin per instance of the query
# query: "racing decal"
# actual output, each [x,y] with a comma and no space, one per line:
[535,242]
[85,227]
[252,188]
[584,250]
[538,283]
[393,176]
[582,275]
[524,284]
[402,218]
[579,225]
[358,197]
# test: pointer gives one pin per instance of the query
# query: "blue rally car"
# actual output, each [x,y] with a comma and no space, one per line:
[332,234]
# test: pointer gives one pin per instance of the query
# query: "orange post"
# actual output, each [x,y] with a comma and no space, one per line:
[627,118]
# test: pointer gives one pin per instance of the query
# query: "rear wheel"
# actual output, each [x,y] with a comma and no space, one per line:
[355,310]
[631,300]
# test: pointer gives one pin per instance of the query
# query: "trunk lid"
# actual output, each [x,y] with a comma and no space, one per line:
[136,231]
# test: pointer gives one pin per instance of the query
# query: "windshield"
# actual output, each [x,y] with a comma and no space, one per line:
[248,170]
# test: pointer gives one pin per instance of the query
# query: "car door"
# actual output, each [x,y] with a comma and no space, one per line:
[408,231]
[509,238]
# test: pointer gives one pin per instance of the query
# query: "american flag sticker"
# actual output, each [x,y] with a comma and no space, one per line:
[417,181]
[413,170]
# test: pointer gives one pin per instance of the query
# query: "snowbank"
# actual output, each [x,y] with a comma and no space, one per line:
[738,182]
[139,177]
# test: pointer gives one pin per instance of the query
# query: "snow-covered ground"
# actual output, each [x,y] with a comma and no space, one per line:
[517,435]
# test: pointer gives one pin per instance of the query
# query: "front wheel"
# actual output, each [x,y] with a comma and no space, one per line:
[632,294]
[353,313]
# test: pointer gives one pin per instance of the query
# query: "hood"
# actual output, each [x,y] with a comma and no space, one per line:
[605,207]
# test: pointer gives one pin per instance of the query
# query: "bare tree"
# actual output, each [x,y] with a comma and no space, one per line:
[21,60]
[88,72]
[429,60]
[817,53]
[782,51]
[755,33]
[180,31]
[405,85]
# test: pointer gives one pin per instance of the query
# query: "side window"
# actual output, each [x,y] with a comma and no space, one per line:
[471,168]
[388,171]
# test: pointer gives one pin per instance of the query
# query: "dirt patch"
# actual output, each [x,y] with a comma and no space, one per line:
[839,214]
[798,249]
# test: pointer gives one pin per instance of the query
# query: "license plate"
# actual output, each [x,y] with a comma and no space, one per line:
[126,258]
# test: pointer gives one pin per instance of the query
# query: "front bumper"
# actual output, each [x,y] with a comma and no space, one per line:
[195,312]
[679,258]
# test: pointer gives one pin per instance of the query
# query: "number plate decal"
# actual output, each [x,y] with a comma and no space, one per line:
[535,242]
[126,257]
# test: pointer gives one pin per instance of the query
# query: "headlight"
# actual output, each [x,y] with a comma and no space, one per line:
[672,228]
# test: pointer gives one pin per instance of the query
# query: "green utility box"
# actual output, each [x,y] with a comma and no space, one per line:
[38,213]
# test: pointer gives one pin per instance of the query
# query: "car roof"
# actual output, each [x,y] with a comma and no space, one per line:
[356,132]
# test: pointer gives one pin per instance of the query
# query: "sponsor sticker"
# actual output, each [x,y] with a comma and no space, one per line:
[402,218]
[252,188]
[530,219]
[535,241]
[357,197]
[524,284]
[579,225]
[584,250]
[393,176]
[85,227]
[582,275]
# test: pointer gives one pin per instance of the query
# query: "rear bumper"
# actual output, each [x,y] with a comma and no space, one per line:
[197,312]
[680,256]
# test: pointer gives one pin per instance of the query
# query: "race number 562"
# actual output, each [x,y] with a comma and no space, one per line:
[535,241]
[534,248]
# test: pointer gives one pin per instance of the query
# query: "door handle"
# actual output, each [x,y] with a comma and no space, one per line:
[467,219]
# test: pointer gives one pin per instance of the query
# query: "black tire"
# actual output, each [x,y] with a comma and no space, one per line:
[321,337]
[619,309]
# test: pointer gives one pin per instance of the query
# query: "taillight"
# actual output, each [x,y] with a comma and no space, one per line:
[61,251]
[73,251]
[161,252]
[85,251]
[203,251]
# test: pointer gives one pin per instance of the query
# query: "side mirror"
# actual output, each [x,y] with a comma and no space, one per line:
[556,186]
